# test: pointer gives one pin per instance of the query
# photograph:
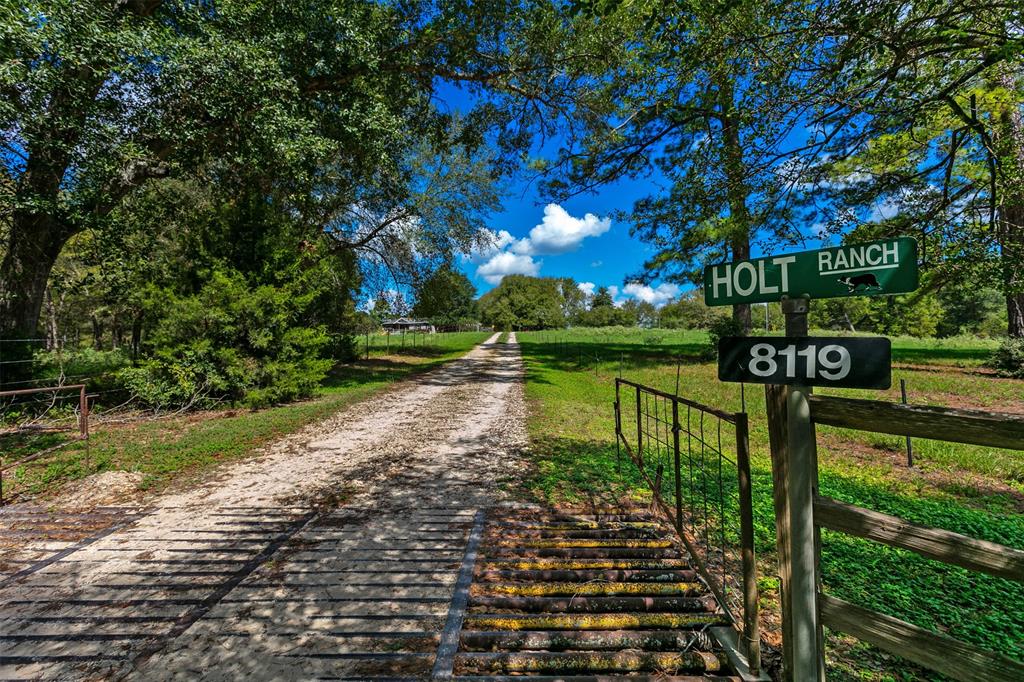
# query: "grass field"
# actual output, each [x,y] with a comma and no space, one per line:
[180,448]
[972,490]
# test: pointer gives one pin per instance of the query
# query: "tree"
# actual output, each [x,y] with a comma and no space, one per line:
[447,298]
[696,100]
[642,313]
[602,299]
[918,113]
[690,312]
[522,302]
[300,100]
[604,313]
[574,301]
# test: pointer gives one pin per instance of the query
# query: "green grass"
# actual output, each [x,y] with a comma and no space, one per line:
[185,447]
[415,344]
[971,490]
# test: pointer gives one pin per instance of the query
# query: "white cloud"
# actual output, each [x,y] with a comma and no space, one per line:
[505,263]
[596,263]
[614,291]
[489,244]
[501,254]
[658,296]
[559,232]
[587,288]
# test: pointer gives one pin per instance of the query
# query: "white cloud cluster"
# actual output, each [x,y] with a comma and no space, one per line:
[557,233]
[491,243]
[505,263]
[587,288]
[657,296]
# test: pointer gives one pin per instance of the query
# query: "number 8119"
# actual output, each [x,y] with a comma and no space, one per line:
[829,362]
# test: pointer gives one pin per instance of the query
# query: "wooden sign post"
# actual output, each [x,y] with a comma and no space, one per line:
[788,367]
[794,481]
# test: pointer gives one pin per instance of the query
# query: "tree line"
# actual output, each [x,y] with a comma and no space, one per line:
[215,185]
[521,302]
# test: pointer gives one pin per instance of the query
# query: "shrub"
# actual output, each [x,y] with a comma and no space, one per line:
[231,342]
[720,328]
[1008,360]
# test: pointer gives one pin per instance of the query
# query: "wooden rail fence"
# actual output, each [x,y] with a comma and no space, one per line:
[932,650]
[83,425]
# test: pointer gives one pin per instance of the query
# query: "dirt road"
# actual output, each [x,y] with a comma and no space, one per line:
[335,555]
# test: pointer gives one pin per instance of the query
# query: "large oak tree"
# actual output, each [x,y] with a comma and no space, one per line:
[316,103]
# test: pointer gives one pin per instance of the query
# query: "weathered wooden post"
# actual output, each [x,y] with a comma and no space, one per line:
[807,663]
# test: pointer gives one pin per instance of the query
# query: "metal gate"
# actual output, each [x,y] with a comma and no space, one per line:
[696,461]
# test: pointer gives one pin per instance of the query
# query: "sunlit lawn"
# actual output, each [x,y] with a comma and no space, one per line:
[973,490]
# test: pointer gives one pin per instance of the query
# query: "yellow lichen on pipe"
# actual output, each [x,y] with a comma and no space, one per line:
[611,621]
[582,525]
[574,543]
[621,661]
[588,588]
[582,564]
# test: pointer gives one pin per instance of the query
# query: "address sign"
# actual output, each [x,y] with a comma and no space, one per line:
[847,362]
[866,269]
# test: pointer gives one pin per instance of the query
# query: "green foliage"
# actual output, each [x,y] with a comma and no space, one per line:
[719,329]
[906,315]
[969,309]
[1008,360]
[522,302]
[607,316]
[602,299]
[446,298]
[231,341]
[604,313]
[689,312]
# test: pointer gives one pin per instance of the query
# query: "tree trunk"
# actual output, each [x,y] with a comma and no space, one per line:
[1012,243]
[97,333]
[33,245]
[736,189]
[52,330]
[1008,137]
[116,336]
[136,336]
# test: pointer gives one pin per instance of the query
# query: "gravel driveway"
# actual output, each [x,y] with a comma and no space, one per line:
[334,555]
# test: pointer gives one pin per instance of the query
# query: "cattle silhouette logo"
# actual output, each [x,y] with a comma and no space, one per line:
[867,280]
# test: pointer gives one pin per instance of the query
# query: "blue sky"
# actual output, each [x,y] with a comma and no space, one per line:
[589,248]
[607,258]
[577,238]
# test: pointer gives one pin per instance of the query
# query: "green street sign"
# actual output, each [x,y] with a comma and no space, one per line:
[867,269]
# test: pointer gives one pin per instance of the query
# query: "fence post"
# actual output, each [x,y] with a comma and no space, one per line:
[618,429]
[794,480]
[83,413]
[639,431]
[910,446]
[751,625]
[678,466]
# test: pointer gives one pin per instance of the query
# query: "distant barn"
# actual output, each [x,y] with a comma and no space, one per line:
[405,324]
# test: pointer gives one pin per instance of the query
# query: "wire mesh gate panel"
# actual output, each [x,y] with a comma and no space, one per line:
[695,459]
